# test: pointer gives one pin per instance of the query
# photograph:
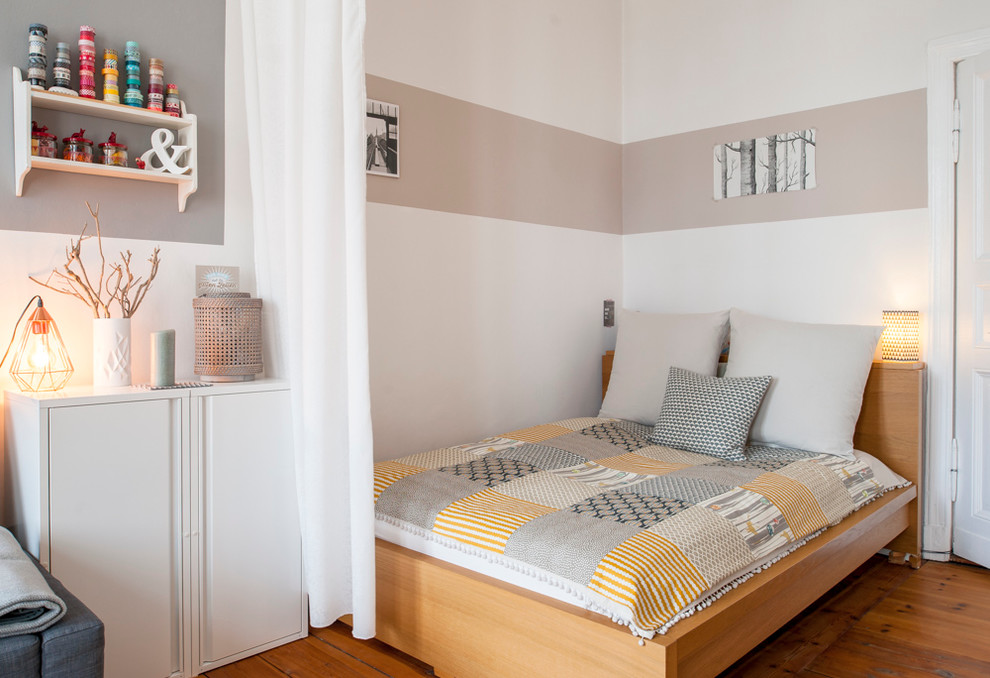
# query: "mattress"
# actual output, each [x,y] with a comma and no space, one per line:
[589,512]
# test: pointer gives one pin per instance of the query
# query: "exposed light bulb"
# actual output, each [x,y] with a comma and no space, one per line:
[39,357]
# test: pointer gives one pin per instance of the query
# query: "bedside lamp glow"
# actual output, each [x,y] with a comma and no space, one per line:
[40,362]
[901,339]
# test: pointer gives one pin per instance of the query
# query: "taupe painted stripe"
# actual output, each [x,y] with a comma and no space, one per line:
[871,157]
[455,156]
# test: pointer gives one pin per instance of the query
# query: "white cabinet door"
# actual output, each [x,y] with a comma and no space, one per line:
[250,569]
[115,526]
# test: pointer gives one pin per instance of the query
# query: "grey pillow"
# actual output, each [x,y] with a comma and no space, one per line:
[647,346]
[710,415]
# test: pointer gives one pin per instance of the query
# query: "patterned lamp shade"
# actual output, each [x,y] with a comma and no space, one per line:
[901,339]
[41,362]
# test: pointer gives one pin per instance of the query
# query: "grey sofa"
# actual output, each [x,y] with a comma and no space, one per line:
[70,648]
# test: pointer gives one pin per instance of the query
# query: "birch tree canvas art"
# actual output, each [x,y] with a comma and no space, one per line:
[773,164]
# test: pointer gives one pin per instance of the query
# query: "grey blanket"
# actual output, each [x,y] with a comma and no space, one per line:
[27,603]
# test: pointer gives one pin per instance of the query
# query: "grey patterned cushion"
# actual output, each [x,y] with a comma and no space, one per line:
[710,415]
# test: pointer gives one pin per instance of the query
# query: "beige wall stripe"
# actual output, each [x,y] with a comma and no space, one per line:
[459,157]
[872,157]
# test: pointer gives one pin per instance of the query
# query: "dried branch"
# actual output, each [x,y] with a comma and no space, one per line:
[99,243]
[140,288]
[74,253]
[68,289]
[119,284]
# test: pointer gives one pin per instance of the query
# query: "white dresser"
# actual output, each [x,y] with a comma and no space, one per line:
[172,514]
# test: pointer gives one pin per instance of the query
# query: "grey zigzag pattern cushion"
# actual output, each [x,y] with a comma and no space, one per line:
[710,415]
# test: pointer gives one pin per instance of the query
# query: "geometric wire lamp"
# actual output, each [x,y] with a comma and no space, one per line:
[901,338]
[41,362]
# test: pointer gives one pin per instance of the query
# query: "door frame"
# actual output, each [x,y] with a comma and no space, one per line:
[940,356]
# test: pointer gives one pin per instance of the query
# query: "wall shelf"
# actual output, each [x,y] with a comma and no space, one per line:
[94,169]
[26,99]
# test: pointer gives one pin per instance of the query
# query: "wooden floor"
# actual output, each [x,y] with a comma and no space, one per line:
[884,620]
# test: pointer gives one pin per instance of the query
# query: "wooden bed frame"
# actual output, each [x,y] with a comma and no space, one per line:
[471,626]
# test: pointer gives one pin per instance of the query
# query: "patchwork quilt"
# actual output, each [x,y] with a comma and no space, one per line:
[644,533]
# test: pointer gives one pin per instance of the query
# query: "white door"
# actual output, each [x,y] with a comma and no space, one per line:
[971,513]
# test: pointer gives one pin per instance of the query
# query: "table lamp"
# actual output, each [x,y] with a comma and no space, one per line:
[41,362]
[901,338]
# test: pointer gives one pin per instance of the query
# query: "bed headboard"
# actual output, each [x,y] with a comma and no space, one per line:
[890,427]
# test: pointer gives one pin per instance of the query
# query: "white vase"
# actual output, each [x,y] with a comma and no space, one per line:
[111,352]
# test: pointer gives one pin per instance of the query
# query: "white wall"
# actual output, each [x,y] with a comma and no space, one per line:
[169,302]
[554,61]
[829,270]
[689,66]
[699,64]
[481,325]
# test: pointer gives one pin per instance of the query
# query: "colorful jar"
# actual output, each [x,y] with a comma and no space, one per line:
[87,62]
[37,55]
[62,68]
[111,90]
[172,104]
[156,85]
[43,143]
[113,153]
[77,147]
[132,67]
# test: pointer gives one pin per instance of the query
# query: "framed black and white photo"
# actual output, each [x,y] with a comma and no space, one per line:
[382,129]
[773,164]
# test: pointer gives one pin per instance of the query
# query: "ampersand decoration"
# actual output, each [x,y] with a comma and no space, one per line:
[161,143]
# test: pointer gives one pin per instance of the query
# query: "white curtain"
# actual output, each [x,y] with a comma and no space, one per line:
[305,97]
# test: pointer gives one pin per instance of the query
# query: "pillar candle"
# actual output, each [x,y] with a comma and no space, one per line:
[163,358]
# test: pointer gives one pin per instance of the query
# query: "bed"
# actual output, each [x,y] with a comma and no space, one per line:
[468,624]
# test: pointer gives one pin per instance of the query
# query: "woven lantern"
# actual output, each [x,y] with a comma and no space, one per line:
[228,337]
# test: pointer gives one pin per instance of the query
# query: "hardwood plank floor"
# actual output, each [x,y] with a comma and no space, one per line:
[883,620]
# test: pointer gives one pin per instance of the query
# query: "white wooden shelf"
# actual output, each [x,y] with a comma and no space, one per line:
[95,169]
[103,109]
[26,99]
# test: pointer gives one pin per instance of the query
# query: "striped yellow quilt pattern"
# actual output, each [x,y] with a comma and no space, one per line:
[592,501]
